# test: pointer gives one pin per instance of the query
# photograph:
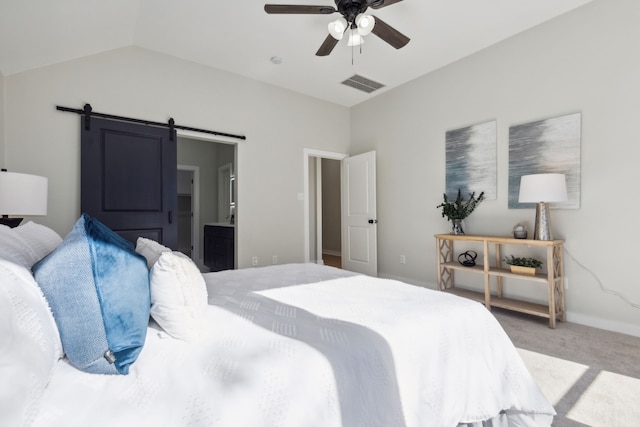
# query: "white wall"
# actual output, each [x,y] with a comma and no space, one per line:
[139,83]
[586,61]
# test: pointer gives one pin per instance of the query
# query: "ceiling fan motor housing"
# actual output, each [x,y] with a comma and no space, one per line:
[351,8]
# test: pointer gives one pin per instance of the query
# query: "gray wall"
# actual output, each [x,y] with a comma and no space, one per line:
[139,83]
[586,61]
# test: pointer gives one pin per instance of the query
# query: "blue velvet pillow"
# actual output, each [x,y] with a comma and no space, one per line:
[98,290]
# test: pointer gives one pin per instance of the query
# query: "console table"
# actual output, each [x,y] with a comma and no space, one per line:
[553,277]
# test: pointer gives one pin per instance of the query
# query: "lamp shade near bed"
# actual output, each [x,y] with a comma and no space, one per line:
[21,194]
[543,188]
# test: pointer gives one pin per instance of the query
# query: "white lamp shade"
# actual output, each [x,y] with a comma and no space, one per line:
[365,24]
[543,187]
[337,28]
[23,194]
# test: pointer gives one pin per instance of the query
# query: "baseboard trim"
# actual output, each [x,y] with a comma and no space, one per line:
[330,252]
[579,318]
[608,325]
[427,285]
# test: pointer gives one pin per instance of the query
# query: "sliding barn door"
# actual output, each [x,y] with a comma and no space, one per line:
[128,179]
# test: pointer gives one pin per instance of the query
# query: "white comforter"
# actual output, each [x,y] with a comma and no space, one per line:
[344,352]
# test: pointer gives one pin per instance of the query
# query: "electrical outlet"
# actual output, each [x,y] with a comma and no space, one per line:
[274,259]
[403,259]
[566,282]
[254,260]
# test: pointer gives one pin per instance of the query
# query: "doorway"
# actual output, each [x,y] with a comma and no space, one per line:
[358,220]
[203,157]
[331,211]
[323,206]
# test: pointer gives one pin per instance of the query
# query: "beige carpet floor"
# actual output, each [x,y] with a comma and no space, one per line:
[591,376]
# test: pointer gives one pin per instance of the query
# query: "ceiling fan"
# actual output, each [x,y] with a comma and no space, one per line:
[353,18]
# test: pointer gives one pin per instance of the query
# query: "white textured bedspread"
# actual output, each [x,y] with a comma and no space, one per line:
[288,348]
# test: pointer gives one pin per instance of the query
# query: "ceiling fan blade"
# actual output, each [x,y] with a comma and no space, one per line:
[389,34]
[327,46]
[379,4]
[298,9]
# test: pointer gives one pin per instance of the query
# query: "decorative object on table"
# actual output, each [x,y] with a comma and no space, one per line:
[546,146]
[519,232]
[523,265]
[468,258]
[541,189]
[471,160]
[459,209]
[21,194]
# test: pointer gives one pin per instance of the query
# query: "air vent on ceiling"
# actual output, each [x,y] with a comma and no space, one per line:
[362,83]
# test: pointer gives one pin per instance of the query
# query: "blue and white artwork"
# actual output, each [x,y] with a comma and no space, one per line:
[546,146]
[471,161]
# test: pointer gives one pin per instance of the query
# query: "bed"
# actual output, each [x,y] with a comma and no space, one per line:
[296,345]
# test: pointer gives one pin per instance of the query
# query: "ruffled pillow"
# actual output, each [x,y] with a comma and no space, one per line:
[178,296]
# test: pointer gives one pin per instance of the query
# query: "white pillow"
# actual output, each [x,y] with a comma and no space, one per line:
[178,296]
[27,244]
[14,248]
[40,238]
[30,345]
[150,249]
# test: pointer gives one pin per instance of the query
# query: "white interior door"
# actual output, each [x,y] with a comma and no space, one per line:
[359,218]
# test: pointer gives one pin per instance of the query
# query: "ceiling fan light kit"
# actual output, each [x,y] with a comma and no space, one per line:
[355,39]
[365,24]
[337,28]
[353,17]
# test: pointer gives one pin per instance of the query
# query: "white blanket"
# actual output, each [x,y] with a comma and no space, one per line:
[344,352]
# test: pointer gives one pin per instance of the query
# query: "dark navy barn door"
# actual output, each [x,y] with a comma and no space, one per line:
[128,179]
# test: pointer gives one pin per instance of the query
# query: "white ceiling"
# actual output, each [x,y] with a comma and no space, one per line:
[238,36]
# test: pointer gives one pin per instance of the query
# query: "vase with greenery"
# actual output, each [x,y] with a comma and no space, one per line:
[456,211]
[523,265]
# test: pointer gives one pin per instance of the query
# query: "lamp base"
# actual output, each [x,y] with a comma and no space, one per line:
[10,222]
[542,226]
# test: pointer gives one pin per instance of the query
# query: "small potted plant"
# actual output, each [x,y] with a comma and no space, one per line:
[459,209]
[523,265]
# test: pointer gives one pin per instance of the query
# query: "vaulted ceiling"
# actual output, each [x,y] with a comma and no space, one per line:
[238,36]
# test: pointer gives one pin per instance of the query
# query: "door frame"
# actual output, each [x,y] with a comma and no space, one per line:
[195,210]
[308,153]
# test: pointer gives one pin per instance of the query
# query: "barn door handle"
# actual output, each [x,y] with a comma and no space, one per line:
[373,221]
[170,217]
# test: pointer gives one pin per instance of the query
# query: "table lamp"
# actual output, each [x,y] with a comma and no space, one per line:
[542,189]
[21,194]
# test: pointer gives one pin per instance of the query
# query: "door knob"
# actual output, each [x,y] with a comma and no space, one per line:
[373,221]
